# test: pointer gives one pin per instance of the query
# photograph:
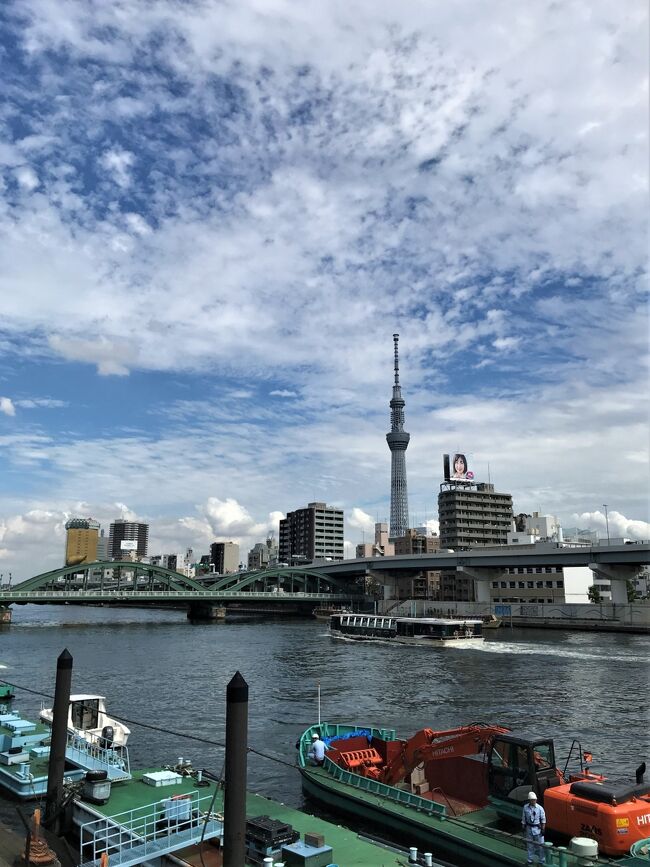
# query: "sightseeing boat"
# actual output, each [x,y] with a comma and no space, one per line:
[425,631]
[460,793]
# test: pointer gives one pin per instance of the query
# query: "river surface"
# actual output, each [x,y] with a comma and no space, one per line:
[155,667]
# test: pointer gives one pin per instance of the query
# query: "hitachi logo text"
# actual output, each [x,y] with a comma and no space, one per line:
[442,751]
[643,820]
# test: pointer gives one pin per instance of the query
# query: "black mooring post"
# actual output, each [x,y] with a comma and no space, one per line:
[234,807]
[58,742]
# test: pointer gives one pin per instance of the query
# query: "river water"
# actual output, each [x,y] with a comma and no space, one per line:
[155,667]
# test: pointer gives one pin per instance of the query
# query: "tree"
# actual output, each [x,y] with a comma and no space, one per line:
[631,590]
[593,594]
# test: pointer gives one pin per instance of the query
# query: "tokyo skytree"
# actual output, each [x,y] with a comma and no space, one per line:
[398,441]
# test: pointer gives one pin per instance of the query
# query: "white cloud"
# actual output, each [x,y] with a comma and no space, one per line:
[360,520]
[118,164]
[27,178]
[112,357]
[283,392]
[41,403]
[619,525]
[7,406]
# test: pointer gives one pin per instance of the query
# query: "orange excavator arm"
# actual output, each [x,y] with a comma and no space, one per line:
[427,744]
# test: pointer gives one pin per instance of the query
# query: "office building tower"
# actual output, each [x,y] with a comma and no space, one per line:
[128,540]
[224,557]
[102,547]
[398,440]
[81,539]
[314,533]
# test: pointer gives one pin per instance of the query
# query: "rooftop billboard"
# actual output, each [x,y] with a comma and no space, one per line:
[457,469]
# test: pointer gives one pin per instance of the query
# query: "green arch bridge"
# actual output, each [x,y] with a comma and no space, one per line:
[293,590]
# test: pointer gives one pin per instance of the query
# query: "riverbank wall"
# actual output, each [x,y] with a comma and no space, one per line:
[599,617]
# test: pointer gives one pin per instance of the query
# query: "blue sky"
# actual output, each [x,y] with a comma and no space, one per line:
[214,216]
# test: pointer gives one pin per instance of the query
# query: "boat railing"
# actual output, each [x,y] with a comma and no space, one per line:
[150,831]
[91,748]
[389,793]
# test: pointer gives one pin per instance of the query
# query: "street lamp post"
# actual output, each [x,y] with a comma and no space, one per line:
[606,521]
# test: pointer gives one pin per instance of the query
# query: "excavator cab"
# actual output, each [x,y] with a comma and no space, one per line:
[517,765]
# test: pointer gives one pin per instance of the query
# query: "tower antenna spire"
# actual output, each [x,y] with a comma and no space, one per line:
[398,440]
[396,350]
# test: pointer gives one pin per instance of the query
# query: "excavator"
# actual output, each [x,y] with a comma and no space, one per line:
[481,764]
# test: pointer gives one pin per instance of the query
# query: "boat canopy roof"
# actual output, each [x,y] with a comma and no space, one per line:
[86,697]
[438,621]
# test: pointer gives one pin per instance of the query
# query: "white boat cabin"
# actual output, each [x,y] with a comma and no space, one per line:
[87,717]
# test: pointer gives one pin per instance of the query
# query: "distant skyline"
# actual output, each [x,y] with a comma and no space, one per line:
[215,217]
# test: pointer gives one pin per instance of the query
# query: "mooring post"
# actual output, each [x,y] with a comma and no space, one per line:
[56,765]
[234,808]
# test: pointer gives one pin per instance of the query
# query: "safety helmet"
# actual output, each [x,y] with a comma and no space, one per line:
[532,796]
[315,736]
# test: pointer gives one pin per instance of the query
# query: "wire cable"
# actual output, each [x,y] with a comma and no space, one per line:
[166,731]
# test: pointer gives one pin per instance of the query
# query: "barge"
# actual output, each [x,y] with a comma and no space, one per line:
[422,631]
[460,794]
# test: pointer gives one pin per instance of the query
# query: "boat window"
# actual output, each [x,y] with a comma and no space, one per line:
[85,714]
[501,755]
[543,756]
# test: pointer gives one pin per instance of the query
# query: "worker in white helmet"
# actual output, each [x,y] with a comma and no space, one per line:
[317,751]
[533,822]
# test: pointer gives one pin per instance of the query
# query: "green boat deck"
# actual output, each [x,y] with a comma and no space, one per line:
[348,848]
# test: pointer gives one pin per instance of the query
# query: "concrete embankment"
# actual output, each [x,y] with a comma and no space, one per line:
[602,617]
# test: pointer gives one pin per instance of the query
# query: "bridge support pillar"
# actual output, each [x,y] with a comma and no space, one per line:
[481,578]
[5,615]
[205,611]
[618,576]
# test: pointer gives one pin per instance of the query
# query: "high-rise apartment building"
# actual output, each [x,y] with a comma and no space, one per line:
[313,533]
[224,557]
[81,539]
[473,515]
[128,540]
[470,515]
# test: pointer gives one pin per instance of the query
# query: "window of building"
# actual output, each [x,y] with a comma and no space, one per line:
[529,585]
[548,584]
[559,583]
[539,584]
[512,584]
[521,585]
[495,583]
[503,584]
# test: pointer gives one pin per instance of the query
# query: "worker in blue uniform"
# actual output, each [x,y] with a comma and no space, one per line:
[317,751]
[533,822]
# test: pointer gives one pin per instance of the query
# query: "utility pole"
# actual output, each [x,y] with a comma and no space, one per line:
[606,521]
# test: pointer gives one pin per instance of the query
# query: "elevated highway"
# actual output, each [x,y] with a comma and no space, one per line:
[616,563]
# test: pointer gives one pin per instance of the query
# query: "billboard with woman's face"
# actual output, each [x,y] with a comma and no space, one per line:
[459,468]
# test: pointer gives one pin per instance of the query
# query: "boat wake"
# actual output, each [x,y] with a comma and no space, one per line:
[505,647]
